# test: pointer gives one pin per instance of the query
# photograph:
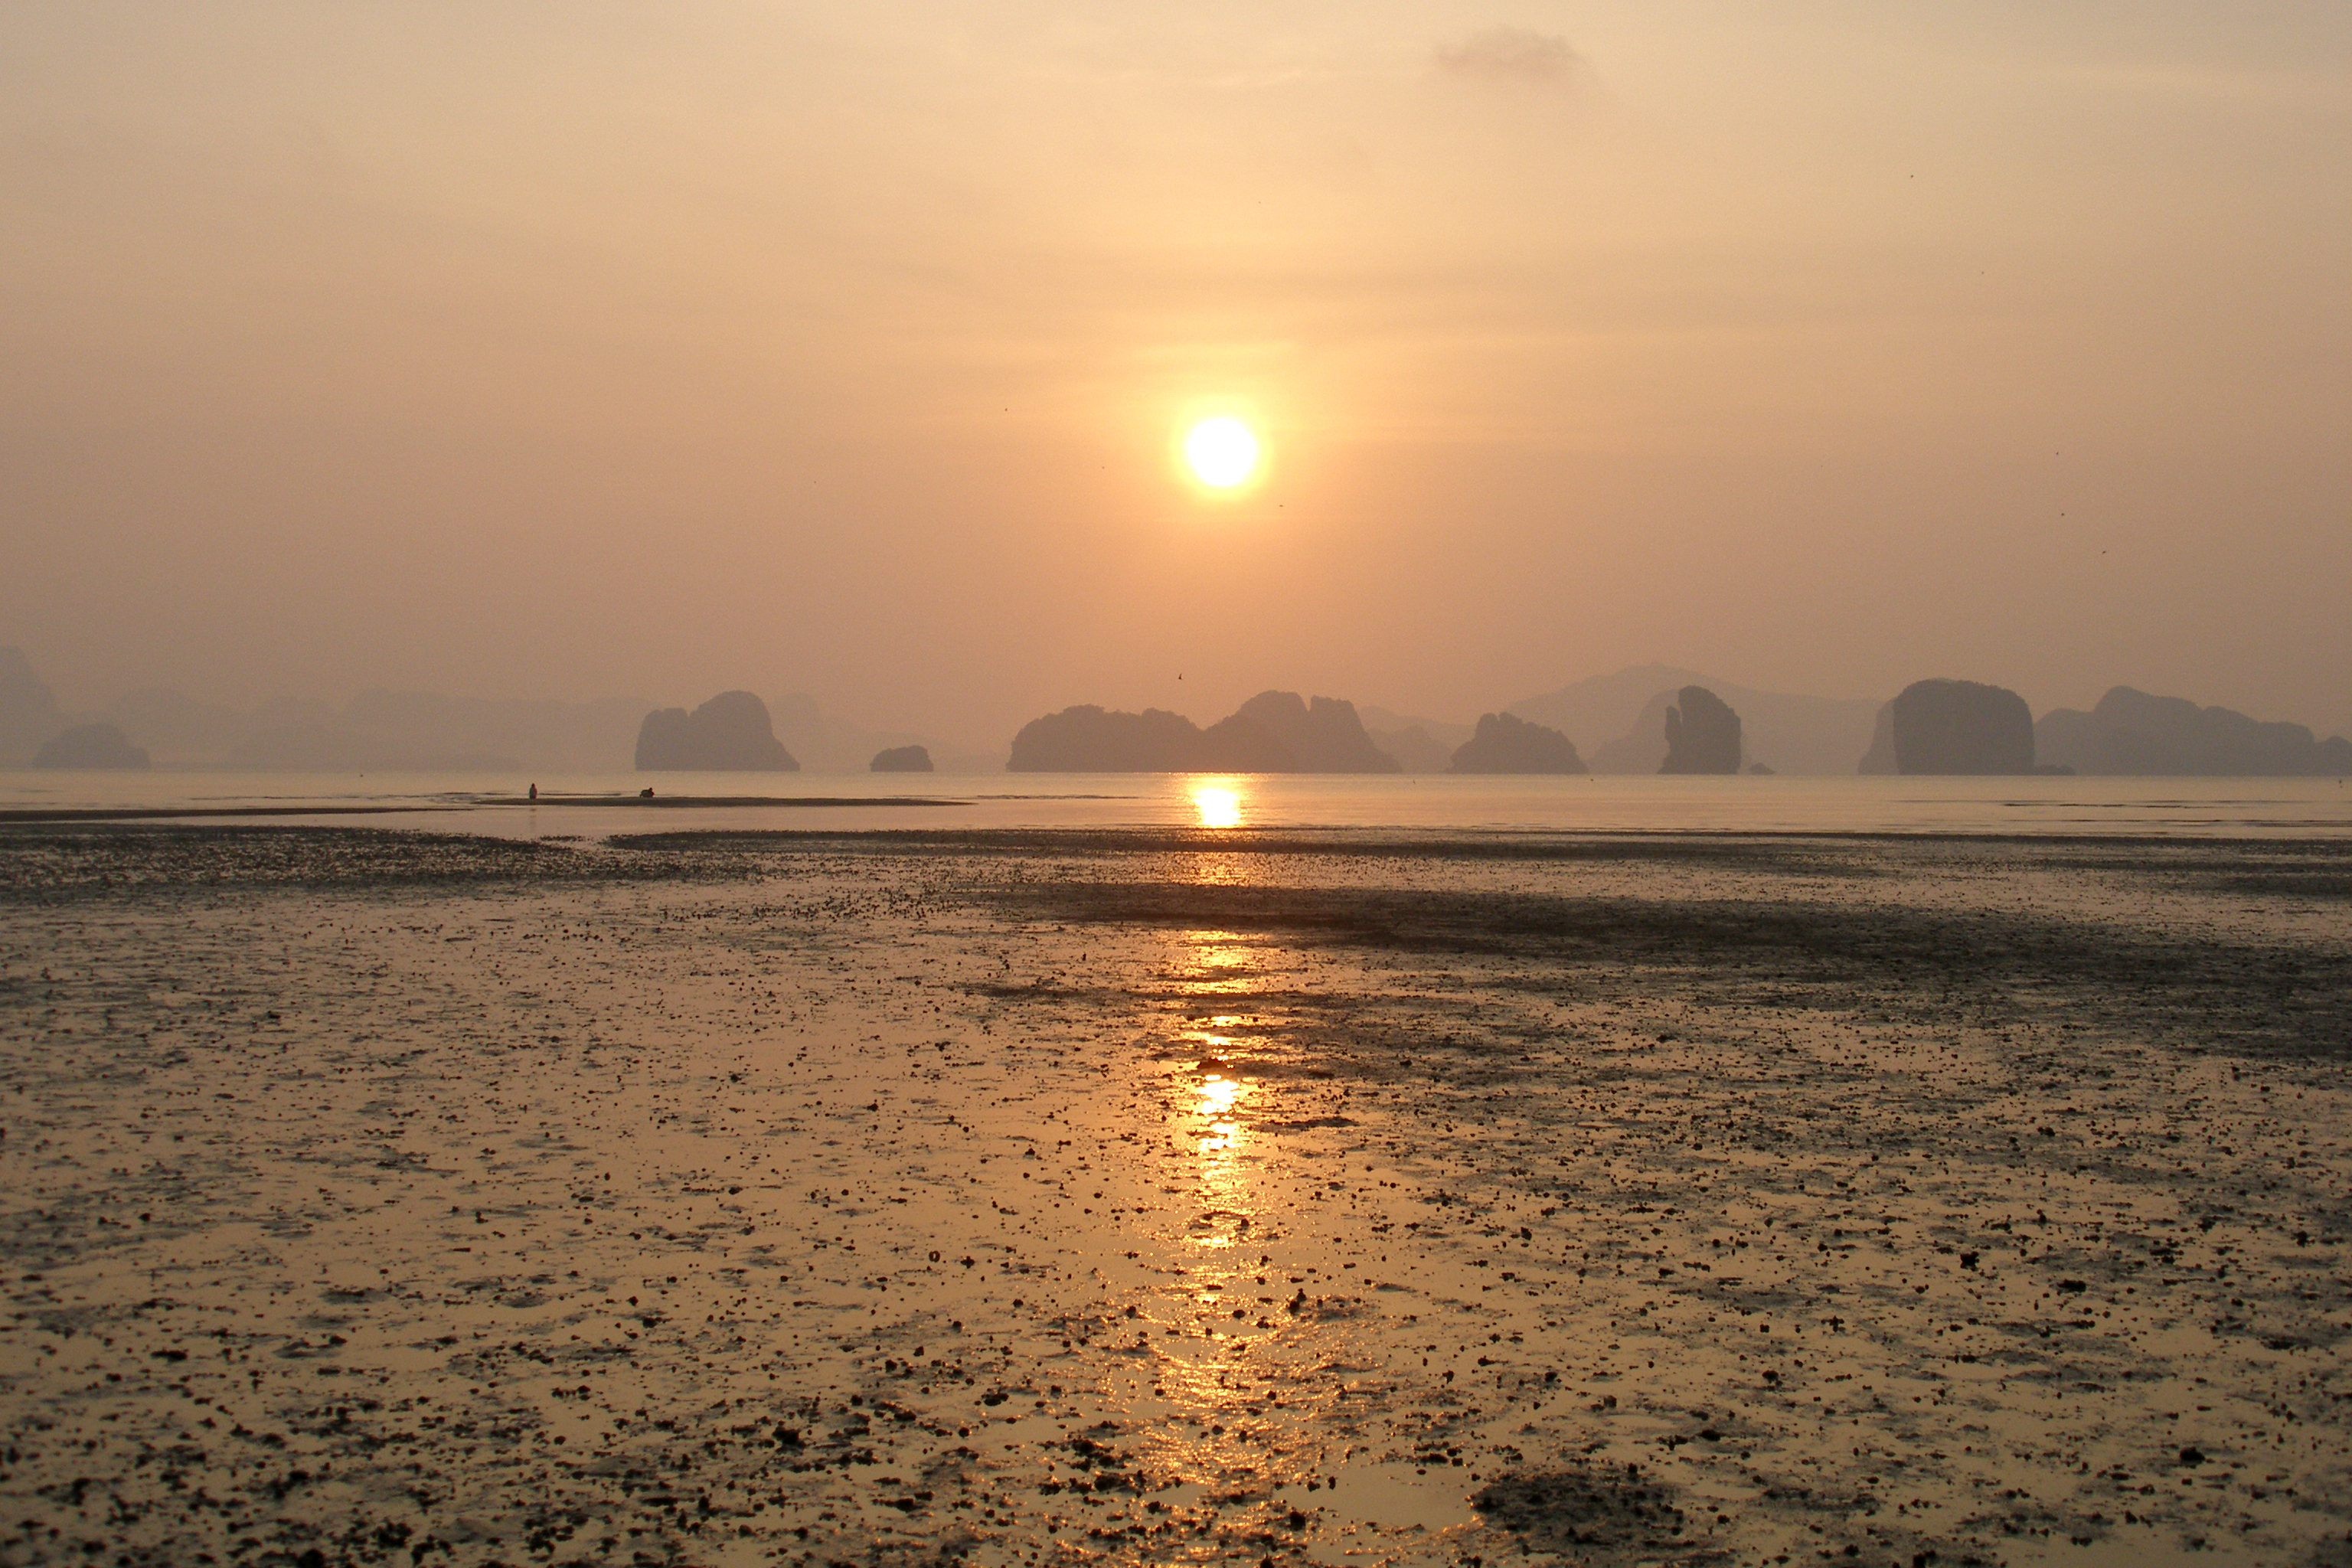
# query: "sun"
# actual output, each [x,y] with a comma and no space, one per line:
[1222,452]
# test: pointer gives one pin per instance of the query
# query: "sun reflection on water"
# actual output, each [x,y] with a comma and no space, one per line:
[1226,1348]
[1227,1198]
[1217,962]
[1219,806]
[1219,1094]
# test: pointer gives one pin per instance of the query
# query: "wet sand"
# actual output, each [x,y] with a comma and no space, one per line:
[1044,1197]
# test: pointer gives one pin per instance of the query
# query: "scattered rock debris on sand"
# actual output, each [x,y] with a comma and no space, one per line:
[388,1198]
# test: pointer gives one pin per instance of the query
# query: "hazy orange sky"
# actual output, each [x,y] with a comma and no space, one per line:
[572,350]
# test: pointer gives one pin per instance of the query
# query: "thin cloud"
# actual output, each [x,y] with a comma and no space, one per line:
[1506,54]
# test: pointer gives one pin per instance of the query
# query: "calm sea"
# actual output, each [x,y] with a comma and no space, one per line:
[595,807]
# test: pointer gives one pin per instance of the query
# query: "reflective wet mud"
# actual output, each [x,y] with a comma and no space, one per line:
[1169,1198]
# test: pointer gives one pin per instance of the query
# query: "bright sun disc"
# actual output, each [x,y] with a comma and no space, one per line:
[1222,451]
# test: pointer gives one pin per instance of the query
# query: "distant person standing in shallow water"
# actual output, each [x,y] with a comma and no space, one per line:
[534,791]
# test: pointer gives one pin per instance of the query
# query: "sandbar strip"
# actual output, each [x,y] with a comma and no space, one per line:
[26,815]
[178,813]
[710,801]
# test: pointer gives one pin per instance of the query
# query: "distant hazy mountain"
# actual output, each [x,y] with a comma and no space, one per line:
[1419,746]
[1620,721]
[394,730]
[1275,731]
[90,746]
[178,728]
[2132,732]
[308,748]
[828,743]
[1642,749]
[29,711]
[1416,751]
[383,731]
[427,728]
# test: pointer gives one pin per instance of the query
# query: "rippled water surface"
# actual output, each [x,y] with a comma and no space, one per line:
[1169,1195]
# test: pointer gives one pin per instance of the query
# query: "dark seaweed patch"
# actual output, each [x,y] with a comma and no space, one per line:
[2290,1000]
[1593,1510]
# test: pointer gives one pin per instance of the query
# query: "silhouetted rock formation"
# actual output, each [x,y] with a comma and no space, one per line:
[1273,733]
[28,711]
[2132,732]
[1505,743]
[1091,740]
[1702,734]
[901,760]
[1880,758]
[1322,737]
[90,746]
[1962,727]
[1761,770]
[730,733]
[1236,744]
[1622,721]
[1641,748]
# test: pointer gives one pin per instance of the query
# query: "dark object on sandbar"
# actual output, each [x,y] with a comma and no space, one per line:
[900,760]
[730,733]
[1506,743]
[1702,734]
[646,793]
[534,791]
[91,746]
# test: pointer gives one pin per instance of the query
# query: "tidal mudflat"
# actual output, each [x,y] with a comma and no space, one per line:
[1045,1198]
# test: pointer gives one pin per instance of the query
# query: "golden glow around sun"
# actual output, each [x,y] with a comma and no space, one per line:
[1218,807]
[1222,452]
